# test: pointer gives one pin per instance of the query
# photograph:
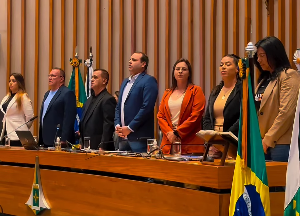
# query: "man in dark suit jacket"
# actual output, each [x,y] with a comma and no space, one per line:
[97,120]
[134,116]
[58,107]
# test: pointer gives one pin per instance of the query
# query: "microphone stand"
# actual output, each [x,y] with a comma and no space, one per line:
[32,119]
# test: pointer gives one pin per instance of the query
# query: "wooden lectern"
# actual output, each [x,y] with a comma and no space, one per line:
[226,142]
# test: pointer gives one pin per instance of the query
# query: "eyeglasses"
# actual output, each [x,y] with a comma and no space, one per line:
[183,69]
[53,76]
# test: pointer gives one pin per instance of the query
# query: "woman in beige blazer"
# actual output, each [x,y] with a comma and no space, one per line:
[17,109]
[276,97]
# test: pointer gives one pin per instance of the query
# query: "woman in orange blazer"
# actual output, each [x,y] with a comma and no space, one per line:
[181,110]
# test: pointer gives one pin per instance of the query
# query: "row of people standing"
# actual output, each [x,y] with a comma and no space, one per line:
[275,99]
[181,109]
[58,108]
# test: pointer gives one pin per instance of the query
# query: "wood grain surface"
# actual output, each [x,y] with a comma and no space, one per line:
[75,194]
[186,172]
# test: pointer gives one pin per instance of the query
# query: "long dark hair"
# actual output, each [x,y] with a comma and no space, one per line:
[276,56]
[174,81]
[235,59]
[21,86]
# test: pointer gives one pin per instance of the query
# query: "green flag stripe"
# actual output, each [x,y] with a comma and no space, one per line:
[294,205]
[257,161]
[82,96]
[255,155]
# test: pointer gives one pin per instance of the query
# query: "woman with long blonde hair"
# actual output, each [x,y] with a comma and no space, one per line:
[17,109]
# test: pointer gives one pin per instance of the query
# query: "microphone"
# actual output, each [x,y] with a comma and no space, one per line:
[144,138]
[32,119]
[57,129]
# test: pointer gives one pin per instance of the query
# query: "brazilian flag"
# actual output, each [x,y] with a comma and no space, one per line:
[250,190]
[76,85]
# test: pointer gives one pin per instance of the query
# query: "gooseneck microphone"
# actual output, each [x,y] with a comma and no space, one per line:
[144,138]
[57,129]
[32,119]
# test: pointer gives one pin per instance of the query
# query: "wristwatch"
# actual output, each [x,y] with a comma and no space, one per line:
[176,134]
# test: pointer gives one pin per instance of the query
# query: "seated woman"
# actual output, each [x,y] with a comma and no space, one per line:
[223,109]
[276,98]
[17,109]
[181,109]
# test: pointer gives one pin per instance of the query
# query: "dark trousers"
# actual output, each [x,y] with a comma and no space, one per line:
[135,146]
[279,153]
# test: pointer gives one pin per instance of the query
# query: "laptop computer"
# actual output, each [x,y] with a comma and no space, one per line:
[27,140]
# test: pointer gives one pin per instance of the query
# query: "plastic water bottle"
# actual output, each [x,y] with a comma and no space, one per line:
[57,144]
[154,148]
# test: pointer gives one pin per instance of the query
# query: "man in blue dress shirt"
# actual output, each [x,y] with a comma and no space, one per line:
[58,108]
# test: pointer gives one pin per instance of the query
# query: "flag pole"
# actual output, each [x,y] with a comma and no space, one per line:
[250,50]
[246,69]
[88,63]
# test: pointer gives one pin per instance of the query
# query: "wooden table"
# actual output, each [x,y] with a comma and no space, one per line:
[87,188]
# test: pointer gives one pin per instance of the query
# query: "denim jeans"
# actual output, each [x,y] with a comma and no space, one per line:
[135,146]
[279,153]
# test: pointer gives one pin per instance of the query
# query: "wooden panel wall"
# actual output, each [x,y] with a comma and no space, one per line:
[292,29]
[107,24]
[23,38]
[62,39]
[50,34]
[86,33]
[36,65]
[8,63]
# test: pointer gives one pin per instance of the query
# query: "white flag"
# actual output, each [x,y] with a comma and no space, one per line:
[297,59]
[292,191]
[89,64]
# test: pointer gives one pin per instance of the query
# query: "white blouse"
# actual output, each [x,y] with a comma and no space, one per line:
[175,107]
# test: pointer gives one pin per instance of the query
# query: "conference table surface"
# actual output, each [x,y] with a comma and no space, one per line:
[17,165]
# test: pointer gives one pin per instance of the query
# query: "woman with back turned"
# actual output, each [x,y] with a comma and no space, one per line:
[17,109]
[275,98]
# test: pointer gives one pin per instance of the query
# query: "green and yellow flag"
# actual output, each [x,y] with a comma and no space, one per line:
[250,190]
[76,85]
[292,191]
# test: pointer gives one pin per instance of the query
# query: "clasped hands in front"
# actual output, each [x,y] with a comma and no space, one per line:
[122,131]
[172,137]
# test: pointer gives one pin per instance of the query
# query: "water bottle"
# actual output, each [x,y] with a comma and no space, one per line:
[57,144]
[155,148]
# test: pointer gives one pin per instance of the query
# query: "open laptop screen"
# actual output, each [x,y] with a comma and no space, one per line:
[27,140]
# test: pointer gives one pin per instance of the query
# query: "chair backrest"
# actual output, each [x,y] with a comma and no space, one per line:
[116,141]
